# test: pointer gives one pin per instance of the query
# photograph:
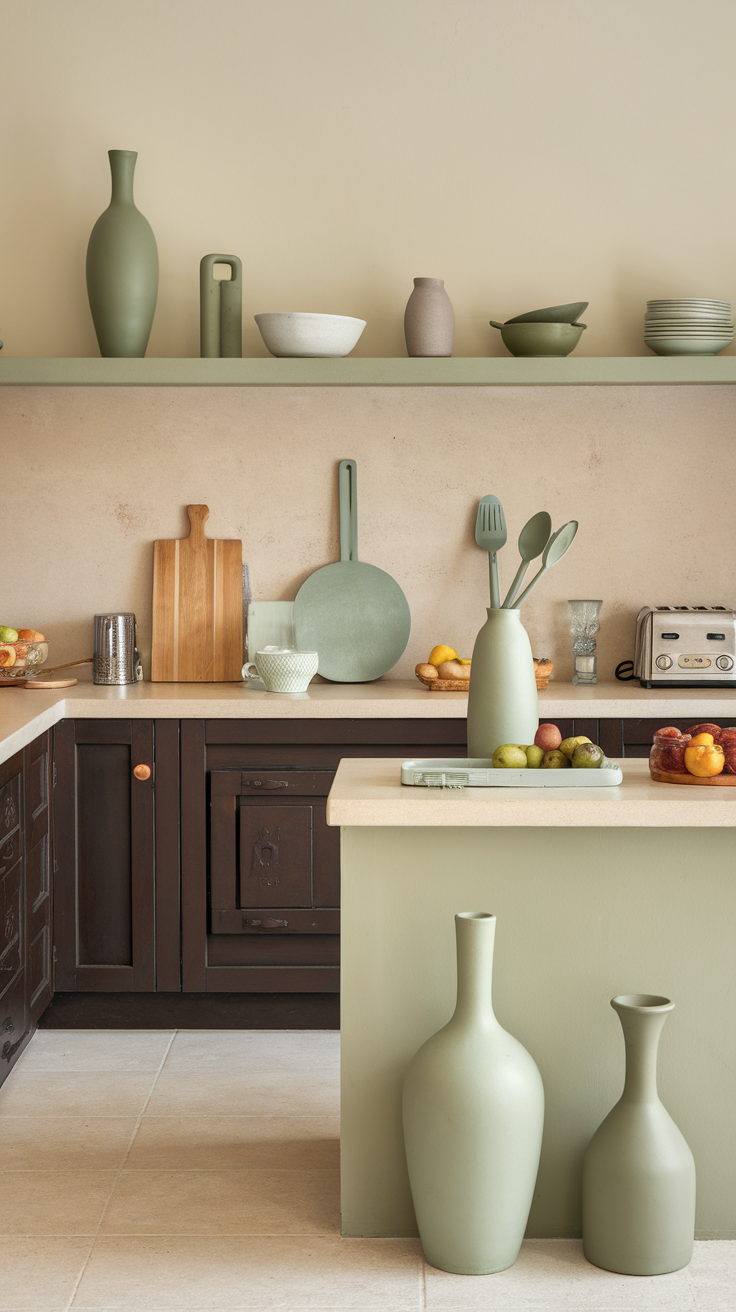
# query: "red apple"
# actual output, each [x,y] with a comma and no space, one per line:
[548,737]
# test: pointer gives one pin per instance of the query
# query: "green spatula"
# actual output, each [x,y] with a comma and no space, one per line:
[490,536]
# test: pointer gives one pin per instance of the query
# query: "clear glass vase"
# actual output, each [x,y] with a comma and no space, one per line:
[584,624]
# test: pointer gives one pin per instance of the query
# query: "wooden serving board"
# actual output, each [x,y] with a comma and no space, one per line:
[669,777]
[197,607]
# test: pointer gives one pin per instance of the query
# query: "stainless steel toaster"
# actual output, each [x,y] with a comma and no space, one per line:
[685,647]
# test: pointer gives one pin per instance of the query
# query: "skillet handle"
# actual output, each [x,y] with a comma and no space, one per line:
[348,486]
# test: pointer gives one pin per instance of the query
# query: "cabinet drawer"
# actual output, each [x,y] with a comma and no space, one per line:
[276,921]
[277,783]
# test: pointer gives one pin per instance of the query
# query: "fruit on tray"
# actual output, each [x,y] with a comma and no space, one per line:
[510,756]
[568,745]
[587,756]
[704,750]
[7,634]
[704,759]
[548,737]
[441,653]
[30,635]
[555,760]
[7,655]
[534,756]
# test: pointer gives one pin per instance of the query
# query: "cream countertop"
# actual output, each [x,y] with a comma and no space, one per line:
[25,714]
[370,793]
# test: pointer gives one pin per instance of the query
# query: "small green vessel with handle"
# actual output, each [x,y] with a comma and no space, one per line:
[638,1172]
[473,1111]
[122,268]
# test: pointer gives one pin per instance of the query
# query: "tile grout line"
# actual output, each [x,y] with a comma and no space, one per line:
[119,1172]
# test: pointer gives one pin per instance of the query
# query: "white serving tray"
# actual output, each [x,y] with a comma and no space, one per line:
[477,772]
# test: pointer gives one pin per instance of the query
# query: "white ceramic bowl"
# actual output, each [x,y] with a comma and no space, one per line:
[317,336]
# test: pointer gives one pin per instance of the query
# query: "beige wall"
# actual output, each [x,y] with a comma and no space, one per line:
[527,152]
[94,475]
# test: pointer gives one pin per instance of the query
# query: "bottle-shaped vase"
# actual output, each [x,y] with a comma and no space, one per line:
[503,706]
[473,1108]
[639,1173]
[429,319]
[122,267]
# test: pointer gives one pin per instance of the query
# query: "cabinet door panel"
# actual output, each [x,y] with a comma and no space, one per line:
[275,855]
[36,772]
[11,928]
[104,884]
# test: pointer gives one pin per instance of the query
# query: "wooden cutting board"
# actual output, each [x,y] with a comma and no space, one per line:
[197,607]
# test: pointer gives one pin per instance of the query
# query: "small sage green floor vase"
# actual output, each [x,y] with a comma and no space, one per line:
[502,699]
[473,1114]
[122,267]
[639,1173]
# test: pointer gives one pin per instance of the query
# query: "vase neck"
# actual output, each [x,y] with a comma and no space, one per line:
[475,933]
[122,167]
[642,1018]
[429,282]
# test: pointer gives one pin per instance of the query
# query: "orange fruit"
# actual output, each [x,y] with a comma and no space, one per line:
[701,740]
[704,759]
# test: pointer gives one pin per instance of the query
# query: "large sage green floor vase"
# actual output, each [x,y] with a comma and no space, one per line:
[122,268]
[639,1173]
[502,699]
[473,1111]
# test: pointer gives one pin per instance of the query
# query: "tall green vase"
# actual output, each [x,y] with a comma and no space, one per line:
[473,1109]
[639,1173]
[122,267]
[502,701]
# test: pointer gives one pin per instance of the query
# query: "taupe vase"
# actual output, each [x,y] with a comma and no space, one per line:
[473,1110]
[638,1173]
[503,706]
[122,267]
[429,319]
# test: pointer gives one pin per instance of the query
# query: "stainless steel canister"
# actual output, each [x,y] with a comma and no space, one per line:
[116,658]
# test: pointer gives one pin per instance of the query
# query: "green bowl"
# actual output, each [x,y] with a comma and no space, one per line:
[541,338]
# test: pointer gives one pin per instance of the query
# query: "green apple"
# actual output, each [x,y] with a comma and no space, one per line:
[509,756]
[534,756]
[554,760]
[587,757]
[7,634]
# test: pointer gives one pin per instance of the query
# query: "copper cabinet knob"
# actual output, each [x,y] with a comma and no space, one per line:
[142,772]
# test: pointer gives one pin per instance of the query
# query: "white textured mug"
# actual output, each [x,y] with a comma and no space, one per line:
[282,669]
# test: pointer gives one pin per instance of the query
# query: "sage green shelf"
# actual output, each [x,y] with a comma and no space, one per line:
[363,372]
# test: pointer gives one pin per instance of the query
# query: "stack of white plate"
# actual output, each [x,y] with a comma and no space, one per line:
[688,326]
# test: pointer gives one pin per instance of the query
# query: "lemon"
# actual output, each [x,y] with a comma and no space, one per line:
[440,654]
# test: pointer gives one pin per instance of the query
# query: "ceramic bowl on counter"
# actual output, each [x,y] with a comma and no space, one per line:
[540,339]
[19,659]
[309,336]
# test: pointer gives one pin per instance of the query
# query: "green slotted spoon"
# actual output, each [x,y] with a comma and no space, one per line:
[532,540]
[554,551]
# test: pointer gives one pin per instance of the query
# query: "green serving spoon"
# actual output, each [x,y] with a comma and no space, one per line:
[532,540]
[554,551]
[490,536]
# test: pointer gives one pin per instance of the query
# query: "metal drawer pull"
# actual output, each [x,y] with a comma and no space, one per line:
[265,783]
[268,923]
[142,772]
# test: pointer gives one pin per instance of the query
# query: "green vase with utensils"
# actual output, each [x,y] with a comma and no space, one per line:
[638,1172]
[502,698]
[122,268]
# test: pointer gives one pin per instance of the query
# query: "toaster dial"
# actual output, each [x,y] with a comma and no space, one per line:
[724,662]
[664,662]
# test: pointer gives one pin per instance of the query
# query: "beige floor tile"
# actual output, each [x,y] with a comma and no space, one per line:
[75,1093]
[224,1203]
[256,1051]
[181,1093]
[61,1143]
[96,1050]
[552,1274]
[224,1142]
[40,1273]
[53,1202]
[147,1274]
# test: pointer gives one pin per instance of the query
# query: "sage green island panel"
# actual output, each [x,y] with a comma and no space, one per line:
[583,914]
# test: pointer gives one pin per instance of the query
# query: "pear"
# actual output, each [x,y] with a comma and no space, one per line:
[568,745]
[554,760]
[509,757]
[587,757]
[534,756]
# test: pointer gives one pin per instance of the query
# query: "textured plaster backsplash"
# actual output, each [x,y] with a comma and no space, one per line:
[94,475]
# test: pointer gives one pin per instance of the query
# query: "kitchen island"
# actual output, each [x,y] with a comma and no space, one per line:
[597,892]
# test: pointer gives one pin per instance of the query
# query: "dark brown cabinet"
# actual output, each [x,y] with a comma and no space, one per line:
[25,897]
[116,919]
